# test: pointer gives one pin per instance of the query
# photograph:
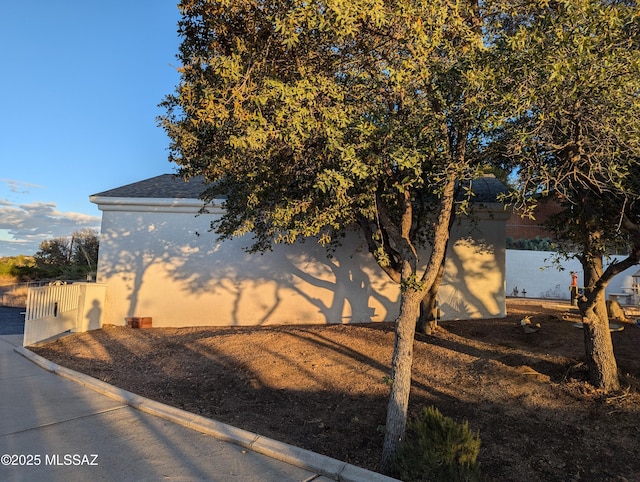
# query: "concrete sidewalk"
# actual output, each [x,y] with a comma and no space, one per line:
[57,424]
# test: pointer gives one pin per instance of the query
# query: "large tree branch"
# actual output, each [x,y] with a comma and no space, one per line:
[400,234]
[441,235]
[391,268]
[631,260]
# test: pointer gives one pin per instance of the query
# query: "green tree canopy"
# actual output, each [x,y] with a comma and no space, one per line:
[312,117]
[303,114]
[71,257]
[54,252]
[572,82]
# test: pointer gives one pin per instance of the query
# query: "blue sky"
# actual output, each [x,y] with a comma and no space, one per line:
[81,83]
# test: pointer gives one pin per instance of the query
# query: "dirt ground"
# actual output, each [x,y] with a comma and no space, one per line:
[322,387]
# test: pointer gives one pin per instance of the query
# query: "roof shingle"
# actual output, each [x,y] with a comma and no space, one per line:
[163,186]
[486,189]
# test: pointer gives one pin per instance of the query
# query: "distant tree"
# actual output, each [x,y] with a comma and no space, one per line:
[528,244]
[572,82]
[54,252]
[71,257]
[312,117]
[84,248]
[16,268]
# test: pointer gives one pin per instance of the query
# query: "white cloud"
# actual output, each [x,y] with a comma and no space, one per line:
[24,226]
[20,187]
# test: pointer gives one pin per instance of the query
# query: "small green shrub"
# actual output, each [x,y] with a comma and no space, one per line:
[437,448]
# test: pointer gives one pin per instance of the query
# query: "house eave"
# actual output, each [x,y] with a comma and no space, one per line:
[145,204]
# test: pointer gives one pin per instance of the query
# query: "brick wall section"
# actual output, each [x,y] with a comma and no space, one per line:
[525,228]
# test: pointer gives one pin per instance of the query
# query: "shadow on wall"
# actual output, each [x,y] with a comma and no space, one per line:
[169,266]
[176,260]
[94,315]
[351,292]
[472,281]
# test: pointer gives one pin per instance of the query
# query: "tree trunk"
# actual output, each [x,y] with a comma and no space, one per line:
[428,321]
[412,294]
[400,376]
[601,361]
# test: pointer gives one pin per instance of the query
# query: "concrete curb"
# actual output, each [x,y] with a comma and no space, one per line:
[320,464]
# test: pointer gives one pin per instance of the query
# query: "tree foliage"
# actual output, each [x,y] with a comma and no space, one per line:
[572,84]
[71,258]
[535,244]
[307,115]
[313,117]
[571,78]
[15,267]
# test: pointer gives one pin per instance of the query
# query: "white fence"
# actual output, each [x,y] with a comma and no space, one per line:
[52,310]
[533,275]
[51,301]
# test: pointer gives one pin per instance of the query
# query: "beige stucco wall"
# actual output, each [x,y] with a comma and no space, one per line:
[158,259]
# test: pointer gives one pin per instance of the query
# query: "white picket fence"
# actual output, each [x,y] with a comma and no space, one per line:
[52,301]
[58,308]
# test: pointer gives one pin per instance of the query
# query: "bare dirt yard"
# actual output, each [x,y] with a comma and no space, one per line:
[323,387]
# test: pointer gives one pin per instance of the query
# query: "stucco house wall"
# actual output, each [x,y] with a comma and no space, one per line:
[158,259]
